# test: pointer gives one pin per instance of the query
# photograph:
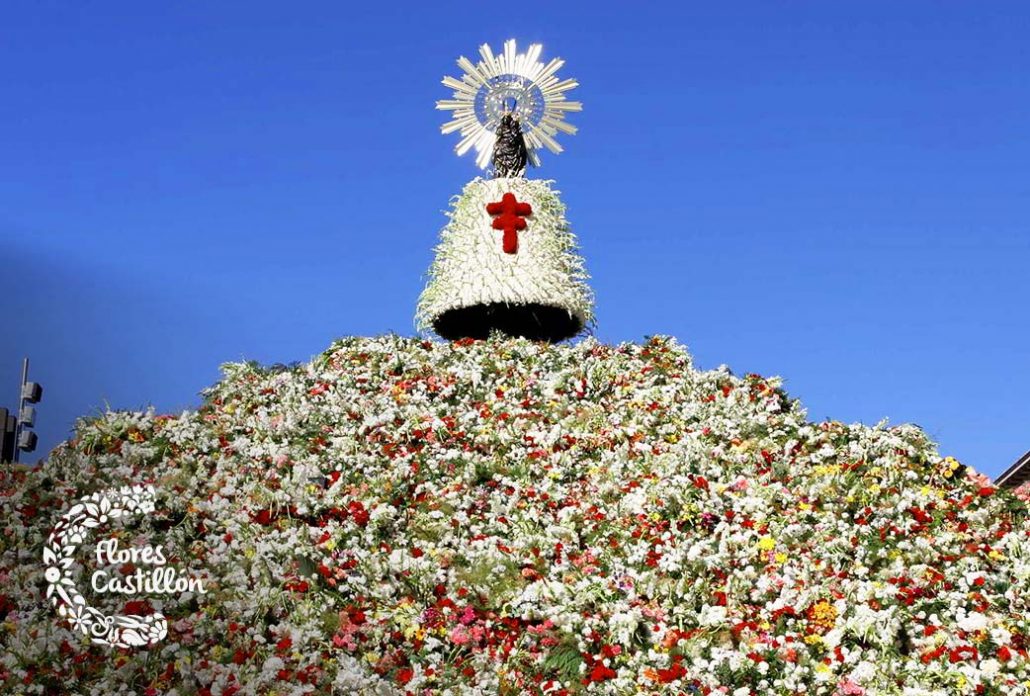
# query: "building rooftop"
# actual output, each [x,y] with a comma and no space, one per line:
[1017,474]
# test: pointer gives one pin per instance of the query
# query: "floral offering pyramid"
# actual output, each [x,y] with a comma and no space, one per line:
[506,516]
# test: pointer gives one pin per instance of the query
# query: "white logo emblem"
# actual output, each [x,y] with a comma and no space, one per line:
[116,630]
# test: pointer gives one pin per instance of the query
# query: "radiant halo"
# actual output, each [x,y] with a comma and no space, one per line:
[516,82]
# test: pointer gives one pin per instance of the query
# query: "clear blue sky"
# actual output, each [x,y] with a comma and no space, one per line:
[838,193]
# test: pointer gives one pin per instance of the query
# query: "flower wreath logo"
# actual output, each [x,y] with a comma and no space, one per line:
[120,631]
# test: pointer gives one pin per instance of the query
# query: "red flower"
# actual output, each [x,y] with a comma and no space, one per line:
[601,673]
[405,675]
[960,653]
[357,511]
[671,674]
[297,586]
[138,606]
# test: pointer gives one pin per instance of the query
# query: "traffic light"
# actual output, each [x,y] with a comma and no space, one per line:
[31,392]
[22,438]
[8,428]
[27,440]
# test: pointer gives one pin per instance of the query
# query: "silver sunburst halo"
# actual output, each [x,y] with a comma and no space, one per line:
[515,82]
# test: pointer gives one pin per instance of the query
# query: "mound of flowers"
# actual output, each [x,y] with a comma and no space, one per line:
[508,517]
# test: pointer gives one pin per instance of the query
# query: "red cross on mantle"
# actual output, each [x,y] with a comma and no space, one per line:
[510,218]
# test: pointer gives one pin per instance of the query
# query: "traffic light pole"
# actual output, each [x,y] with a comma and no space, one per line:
[21,405]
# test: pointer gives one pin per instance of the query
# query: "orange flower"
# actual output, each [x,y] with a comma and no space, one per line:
[821,616]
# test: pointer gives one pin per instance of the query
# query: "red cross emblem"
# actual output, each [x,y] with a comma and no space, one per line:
[510,217]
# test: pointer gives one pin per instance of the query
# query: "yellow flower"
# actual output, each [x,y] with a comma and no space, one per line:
[781,558]
[766,543]
[822,615]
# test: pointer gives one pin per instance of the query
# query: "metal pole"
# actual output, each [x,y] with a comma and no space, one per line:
[21,405]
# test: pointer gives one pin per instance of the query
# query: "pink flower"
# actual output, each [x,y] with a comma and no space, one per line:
[467,616]
[849,688]
[459,636]
[341,640]
[978,478]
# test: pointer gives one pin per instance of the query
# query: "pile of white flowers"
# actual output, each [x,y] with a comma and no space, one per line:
[509,517]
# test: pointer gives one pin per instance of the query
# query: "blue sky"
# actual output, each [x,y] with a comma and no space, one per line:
[838,193]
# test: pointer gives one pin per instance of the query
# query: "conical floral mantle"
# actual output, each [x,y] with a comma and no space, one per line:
[507,261]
